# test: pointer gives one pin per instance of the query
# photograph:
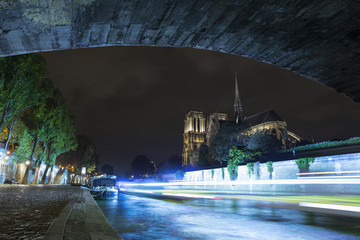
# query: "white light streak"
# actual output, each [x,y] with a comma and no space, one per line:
[141,191]
[188,195]
[330,206]
[253,182]
[358,176]
[338,172]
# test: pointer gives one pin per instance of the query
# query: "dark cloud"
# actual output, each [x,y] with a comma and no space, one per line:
[132,100]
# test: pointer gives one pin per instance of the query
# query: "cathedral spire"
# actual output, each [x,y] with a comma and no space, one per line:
[239,116]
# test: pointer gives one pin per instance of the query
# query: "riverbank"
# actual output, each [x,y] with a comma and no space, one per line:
[51,212]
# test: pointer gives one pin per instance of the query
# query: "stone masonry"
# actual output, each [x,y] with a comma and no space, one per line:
[316,39]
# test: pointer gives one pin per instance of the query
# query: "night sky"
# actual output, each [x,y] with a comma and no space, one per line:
[133,100]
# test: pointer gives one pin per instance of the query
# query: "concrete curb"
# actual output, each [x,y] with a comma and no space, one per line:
[57,227]
[96,225]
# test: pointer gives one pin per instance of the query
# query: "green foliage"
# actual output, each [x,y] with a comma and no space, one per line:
[325,144]
[212,173]
[250,167]
[20,78]
[223,173]
[240,156]
[264,142]
[90,160]
[26,90]
[304,163]
[83,156]
[269,165]
[227,137]
[203,156]
[38,151]
[233,170]
[179,175]
[24,149]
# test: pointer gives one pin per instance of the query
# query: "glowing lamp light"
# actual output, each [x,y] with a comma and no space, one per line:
[27,162]
[83,170]
[8,152]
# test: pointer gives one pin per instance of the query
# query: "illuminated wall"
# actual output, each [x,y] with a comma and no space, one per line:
[9,170]
[194,136]
[285,170]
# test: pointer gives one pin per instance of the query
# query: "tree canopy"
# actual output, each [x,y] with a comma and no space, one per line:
[142,167]
[263,141]
[171,165]
[107,169]
[227,137]
[239,156]
[20,78]
[83,156]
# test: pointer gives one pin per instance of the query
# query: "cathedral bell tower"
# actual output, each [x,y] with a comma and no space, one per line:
[194,136]
[239,116]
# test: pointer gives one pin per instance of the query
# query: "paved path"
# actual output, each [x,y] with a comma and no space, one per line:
[51,212]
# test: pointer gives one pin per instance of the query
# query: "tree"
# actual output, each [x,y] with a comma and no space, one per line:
[83,156]
[304,163]
[203,153]
[90,159]
[270,168]
[240,156]
[142,167]
[171,165]
[24,149]
[11,126]
[56,131]
[20,78]
[179,175]
[228,136]
[23,152]
[107,169]
[263,141]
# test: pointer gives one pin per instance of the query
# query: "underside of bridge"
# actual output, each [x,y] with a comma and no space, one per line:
[318,39]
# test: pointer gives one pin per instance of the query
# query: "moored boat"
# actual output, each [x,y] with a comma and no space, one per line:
[103,187]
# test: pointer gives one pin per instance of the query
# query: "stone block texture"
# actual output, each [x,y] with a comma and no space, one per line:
[316,39]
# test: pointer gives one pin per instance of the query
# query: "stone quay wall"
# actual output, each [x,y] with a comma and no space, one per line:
[9,170]
[281,170]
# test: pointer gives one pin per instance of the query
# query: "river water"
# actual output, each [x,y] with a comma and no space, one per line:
[143,218]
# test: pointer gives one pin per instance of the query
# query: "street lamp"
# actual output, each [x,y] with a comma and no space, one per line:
[27,162]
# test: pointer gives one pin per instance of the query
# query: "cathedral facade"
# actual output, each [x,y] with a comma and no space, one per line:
[199,129]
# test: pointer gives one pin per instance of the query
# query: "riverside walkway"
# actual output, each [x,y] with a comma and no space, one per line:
[51,212]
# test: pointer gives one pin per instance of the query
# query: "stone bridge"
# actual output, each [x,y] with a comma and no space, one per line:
[318,39]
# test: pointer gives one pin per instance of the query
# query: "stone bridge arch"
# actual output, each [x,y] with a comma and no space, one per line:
[318,39]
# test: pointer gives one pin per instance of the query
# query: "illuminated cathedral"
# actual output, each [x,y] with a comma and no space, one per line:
[199,129]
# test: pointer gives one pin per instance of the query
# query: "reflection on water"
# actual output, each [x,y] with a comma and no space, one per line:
[145,218]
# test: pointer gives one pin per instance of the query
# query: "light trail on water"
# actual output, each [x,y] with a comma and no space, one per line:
[255,182]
